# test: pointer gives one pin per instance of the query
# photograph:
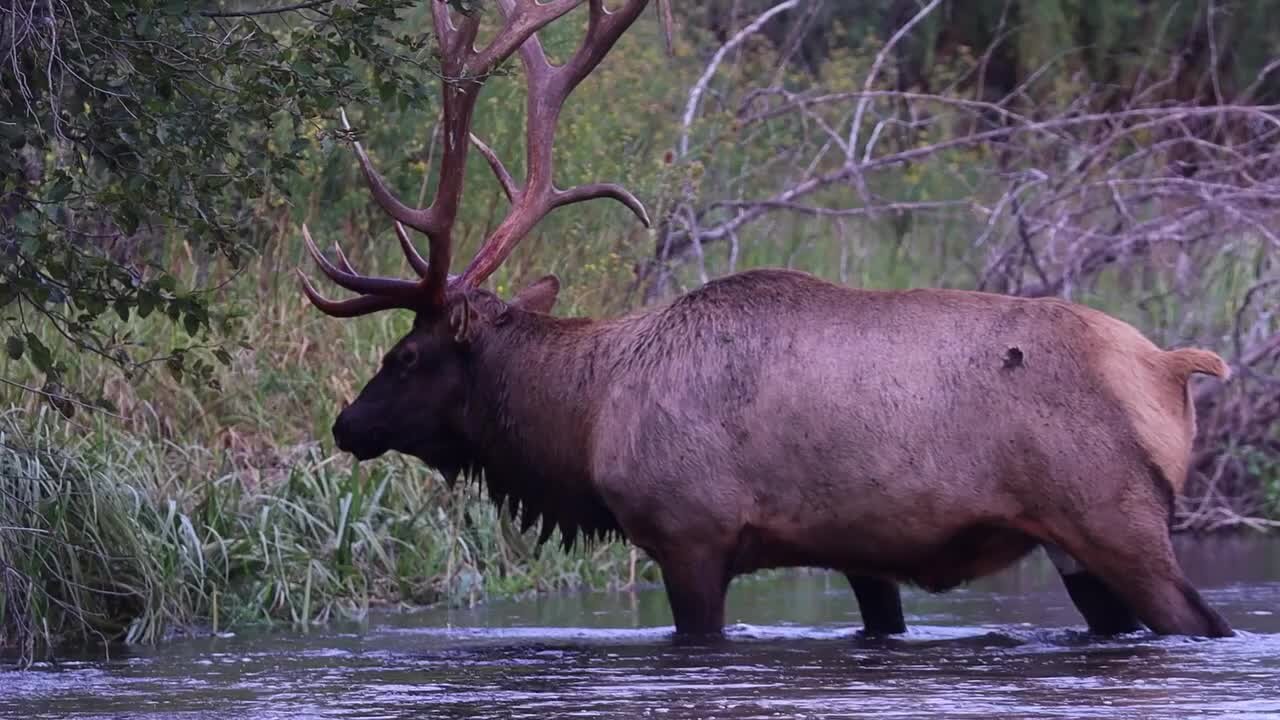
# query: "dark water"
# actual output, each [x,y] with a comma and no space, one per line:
[1009,646]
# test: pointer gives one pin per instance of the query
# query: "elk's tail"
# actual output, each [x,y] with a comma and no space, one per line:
[1185,361]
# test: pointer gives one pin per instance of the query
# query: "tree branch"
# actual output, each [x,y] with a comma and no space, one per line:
[312,4]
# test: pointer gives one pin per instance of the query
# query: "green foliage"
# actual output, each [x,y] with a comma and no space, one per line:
[103,539]
[1264,466]
[128,123]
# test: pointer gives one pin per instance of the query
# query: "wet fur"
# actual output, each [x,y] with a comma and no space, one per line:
[773,419]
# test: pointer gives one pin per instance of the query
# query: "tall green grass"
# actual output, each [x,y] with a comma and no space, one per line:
[106,535]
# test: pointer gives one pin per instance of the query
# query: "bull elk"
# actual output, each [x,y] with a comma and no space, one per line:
[770,418]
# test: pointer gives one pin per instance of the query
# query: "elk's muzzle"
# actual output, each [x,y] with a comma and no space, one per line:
[356,436]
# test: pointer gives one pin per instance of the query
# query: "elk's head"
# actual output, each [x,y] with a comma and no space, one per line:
[416,402]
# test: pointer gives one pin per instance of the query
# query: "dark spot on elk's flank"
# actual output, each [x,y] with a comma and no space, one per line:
[1012,358]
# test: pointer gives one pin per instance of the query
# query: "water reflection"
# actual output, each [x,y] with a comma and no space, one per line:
[1008,646]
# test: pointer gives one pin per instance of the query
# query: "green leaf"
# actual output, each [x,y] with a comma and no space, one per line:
[174,366]
[40,354]
[15,347]
[128,219]
[146,303]
[387,91]
[60,189]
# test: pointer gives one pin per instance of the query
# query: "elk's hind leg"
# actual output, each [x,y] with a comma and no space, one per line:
[1127,546]
[1103,609]
[880,604]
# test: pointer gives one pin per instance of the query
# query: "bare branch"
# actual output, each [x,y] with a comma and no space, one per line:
[312,4]
[860,111]
[668,26]
[700,87]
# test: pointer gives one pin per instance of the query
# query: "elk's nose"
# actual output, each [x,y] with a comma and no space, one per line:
[343,430]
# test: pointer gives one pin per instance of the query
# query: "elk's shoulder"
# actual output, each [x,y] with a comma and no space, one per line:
[759,286]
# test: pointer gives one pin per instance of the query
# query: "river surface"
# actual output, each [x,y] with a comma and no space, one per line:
[1008,646]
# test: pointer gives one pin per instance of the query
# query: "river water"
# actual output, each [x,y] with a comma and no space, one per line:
[1008,646]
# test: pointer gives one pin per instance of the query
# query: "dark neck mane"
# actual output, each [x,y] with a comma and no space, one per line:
[535,386]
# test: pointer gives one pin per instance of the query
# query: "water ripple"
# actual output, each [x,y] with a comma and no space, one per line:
[1010,647]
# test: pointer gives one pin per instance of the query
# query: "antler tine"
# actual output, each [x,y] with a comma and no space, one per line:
[524,18]
[603,30]
[613,191]
[402,289]
[416,261]
[343,262]
[549,88]
[509,187]
[355,307]
[413,217]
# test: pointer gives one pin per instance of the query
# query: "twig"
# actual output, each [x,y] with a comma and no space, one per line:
[56,397]
[265,11]
[700,87]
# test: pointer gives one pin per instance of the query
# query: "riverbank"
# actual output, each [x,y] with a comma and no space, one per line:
[105,536]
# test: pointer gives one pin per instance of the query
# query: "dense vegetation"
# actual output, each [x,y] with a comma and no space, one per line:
[165,462]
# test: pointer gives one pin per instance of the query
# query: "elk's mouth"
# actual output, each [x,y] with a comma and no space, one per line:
[363,453]
[364,446]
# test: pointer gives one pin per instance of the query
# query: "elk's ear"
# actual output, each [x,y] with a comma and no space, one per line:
[540,296]
[463,321]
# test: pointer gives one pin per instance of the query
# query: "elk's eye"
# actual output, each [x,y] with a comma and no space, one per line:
[408,357]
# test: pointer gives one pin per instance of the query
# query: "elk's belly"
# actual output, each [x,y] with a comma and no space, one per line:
[935,561]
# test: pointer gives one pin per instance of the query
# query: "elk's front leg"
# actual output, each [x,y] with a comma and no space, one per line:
[880,604]
[696,580]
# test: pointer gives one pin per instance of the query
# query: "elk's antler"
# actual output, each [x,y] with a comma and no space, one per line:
[549,87]
[464,70]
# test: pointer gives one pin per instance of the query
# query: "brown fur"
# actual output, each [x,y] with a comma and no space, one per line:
[773,419]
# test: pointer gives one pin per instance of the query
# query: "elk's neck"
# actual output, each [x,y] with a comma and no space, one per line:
[534,392]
